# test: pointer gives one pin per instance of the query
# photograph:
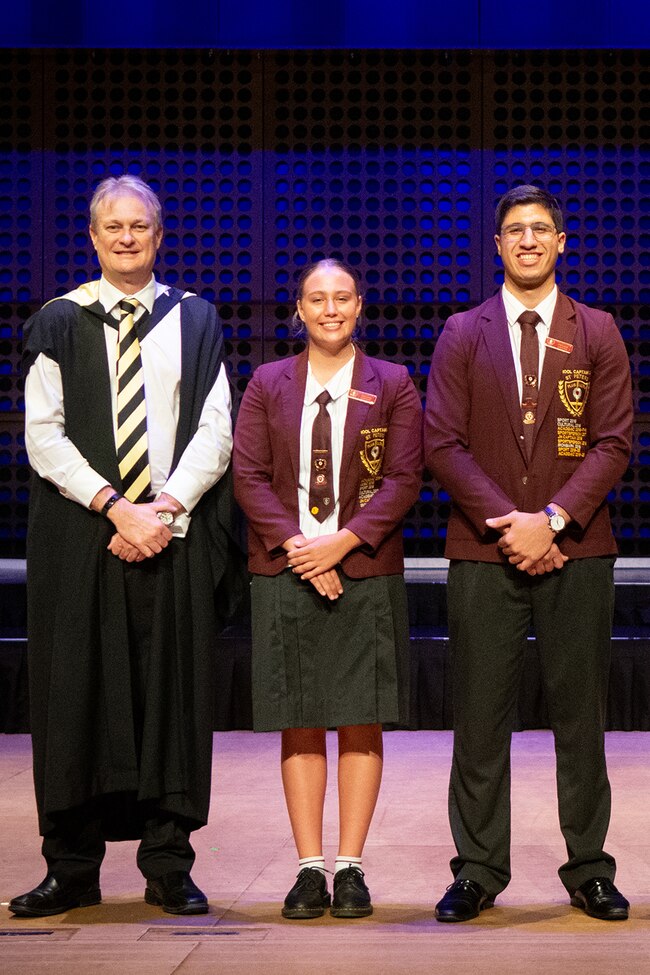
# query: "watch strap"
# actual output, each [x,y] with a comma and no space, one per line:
[110,502]
[554,515]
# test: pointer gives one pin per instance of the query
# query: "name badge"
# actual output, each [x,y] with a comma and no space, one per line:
[552,343]
[362,397]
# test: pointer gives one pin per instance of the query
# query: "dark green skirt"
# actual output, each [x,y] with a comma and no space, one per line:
[322,664]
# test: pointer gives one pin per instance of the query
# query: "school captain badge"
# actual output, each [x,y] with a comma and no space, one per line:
[574,390]
[572,436]
[372,458]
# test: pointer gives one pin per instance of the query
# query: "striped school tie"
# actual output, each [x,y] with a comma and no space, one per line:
[132,448]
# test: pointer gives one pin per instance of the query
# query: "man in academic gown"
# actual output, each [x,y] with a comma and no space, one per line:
[130,556]
[528,426]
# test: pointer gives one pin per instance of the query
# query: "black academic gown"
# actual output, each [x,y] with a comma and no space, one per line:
[82,713]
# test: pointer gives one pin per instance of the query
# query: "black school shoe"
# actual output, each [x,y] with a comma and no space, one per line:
[463,900]
[598,897]
[50,897]
[351,896]
[308,897]
[176,893]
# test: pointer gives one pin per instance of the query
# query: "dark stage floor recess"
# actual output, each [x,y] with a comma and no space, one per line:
[431,700]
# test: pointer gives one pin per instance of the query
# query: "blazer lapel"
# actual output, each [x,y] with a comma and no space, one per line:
[497,339]
[294,380]
[563,328]
[364,380]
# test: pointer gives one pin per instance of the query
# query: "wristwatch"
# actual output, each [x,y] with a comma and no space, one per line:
[555,520]
[166,517]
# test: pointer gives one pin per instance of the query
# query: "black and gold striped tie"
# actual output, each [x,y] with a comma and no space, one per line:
[132,448]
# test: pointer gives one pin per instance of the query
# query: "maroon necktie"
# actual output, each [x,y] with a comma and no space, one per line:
[529,356]
[320,479]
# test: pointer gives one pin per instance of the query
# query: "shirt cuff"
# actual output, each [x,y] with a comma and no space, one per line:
[87,486]
[181,525]
[184,489]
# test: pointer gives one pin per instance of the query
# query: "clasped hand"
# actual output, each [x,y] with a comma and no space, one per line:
[528,542]
[313,559]
[140,533]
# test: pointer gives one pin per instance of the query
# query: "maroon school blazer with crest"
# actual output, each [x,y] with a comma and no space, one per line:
[378,484]
[473,434]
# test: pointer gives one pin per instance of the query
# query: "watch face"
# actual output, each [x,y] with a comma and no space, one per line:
[557,523]
[166,517]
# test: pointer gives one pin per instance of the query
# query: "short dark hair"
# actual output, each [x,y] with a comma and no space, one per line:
[522,195]
[297,326]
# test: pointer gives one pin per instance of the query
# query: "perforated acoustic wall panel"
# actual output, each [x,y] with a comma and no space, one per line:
[189,123]
[373,162]
[390,160]
[577,126]
[21,258]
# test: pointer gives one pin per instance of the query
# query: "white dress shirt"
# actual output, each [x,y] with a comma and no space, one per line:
[338,387]
[545,310]
[206,457]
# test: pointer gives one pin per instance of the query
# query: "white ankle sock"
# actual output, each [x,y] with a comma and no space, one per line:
[342,863]
[316,863]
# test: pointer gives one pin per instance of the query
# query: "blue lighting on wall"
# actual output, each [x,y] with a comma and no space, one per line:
[361,24]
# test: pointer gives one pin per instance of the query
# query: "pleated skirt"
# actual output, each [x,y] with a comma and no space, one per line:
[318,663]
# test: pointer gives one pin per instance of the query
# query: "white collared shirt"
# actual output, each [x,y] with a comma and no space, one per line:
[338,387]
[206,457]
[514,308]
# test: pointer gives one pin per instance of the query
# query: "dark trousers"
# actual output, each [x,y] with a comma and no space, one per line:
[75,848]
[491,609]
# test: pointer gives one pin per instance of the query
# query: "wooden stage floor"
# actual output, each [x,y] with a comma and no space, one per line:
[246,863]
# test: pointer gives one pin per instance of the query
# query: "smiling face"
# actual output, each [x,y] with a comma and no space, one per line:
[528,261]
[126,240]
[329,307]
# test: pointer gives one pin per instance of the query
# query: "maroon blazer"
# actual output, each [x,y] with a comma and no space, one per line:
[372,504]
[473,438]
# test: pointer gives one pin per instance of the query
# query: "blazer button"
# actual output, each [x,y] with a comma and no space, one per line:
[524,480]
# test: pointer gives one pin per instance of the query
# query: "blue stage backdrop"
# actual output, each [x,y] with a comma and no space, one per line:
[392,160]
[364,24]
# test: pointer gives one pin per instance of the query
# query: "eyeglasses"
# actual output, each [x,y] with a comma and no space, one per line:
[541,231]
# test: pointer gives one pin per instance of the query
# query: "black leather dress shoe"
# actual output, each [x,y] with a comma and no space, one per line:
[599,898]
[51,897]
[463,900]
[308,897]
[176,893]
[351,896]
